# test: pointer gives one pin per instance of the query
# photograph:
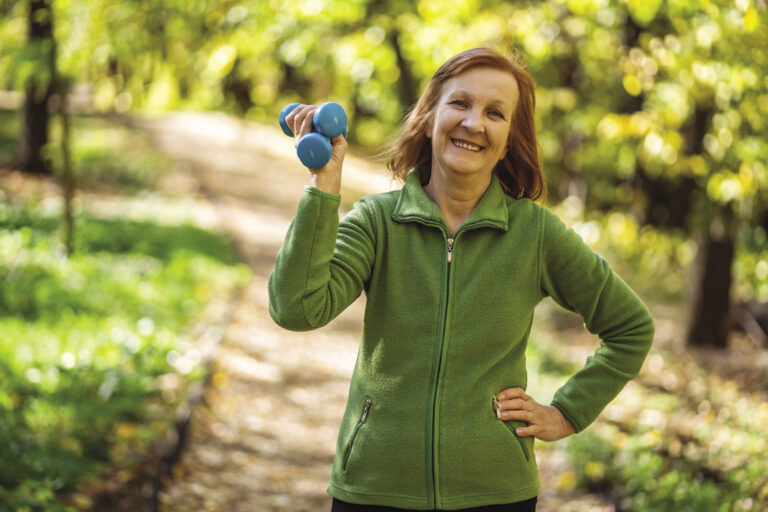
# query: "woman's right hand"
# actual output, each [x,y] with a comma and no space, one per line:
[328,177]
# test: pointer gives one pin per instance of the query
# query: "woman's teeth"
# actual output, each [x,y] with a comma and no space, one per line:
[466,145]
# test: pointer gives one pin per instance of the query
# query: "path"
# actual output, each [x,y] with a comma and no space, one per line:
[263,440]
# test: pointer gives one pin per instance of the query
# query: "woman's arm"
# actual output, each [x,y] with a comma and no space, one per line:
[327,178]
[581,281]
[323,264]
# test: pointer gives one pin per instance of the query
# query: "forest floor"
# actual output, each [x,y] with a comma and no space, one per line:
[263,437]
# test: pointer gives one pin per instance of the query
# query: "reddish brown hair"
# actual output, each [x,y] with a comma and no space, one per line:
[519,171]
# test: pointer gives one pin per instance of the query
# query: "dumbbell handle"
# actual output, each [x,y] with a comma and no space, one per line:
[329,119]
[314,149]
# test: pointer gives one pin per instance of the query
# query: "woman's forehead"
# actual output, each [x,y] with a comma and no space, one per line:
[483,83]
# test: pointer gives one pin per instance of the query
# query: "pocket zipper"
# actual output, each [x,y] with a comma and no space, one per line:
[348,452]
[511,427]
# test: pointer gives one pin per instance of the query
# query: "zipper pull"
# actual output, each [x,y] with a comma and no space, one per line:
[450,248]
[367,408]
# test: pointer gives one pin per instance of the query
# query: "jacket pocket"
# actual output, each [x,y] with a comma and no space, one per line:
[512,425]
[351,442]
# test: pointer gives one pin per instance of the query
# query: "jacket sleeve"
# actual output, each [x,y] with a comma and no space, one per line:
[323,264]
[581,281]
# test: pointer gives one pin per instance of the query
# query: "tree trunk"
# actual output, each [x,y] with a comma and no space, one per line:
[710,303]
[33,135]
[407,87]
[708,316]
[669,202]
[67,177]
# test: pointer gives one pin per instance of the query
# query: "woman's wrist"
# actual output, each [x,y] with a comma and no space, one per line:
[327,182]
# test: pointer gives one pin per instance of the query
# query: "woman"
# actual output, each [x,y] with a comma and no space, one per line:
[453,265]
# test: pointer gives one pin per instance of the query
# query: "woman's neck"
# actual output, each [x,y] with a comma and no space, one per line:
[455,196]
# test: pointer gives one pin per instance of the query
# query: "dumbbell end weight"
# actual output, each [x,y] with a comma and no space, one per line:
[330,120]
[314,150]
[283,114]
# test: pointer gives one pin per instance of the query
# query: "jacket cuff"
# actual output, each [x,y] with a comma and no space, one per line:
[309,189]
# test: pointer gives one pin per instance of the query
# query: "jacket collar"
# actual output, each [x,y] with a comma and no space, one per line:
[415,206]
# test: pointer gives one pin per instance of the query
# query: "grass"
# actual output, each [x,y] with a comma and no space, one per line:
[96,347]
[103,152]
[677,438]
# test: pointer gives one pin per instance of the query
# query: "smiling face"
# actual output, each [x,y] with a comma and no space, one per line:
[471,122]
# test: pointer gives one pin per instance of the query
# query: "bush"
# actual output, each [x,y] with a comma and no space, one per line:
[94,352]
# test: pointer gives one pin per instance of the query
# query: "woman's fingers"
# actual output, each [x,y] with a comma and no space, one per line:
[545,422]
[327,178]
[516,403]
[530,430]
[523,408]
[306,123]
[516,414]
[510,393]
[300,120]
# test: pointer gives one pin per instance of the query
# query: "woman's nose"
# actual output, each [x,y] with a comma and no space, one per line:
[472,121]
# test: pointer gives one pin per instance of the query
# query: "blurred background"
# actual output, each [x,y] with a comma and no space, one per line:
[145,188]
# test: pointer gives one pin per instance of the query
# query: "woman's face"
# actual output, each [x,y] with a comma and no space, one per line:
[471,122]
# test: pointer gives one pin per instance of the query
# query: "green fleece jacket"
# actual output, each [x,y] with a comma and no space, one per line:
[446,325]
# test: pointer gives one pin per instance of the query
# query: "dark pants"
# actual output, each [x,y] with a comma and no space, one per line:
[520,506]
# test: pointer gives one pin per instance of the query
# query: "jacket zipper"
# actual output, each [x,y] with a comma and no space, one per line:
[348,452]
[433,500]
[511,428]
[433,488]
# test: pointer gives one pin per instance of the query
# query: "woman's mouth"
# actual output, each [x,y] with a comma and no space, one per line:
[466,145]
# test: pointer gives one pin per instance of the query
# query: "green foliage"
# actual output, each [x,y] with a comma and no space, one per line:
[105,154]
[676,438]
[9,128]
[96,350]
[655,262]
[37,286]
[630,93]
[93,356]
[659,467]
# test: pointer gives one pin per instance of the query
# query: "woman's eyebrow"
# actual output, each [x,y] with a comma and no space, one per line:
[465,94]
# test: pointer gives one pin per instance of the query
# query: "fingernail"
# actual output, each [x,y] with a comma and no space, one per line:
[498,413]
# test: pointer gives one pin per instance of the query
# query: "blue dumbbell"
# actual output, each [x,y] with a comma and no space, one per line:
[314,149]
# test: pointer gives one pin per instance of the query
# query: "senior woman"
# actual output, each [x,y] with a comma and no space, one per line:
[453,265]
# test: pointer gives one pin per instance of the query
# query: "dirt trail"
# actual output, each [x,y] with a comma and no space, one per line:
[263,439]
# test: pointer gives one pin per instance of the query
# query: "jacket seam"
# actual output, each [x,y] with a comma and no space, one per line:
[420,498]
[375,217]
[480,495]
[539,265]
[373,495]
[312,250]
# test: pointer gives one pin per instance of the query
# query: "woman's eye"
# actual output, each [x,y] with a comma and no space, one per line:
[496,113]
[460,103]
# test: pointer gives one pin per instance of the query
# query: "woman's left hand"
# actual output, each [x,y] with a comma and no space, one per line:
[545,422]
